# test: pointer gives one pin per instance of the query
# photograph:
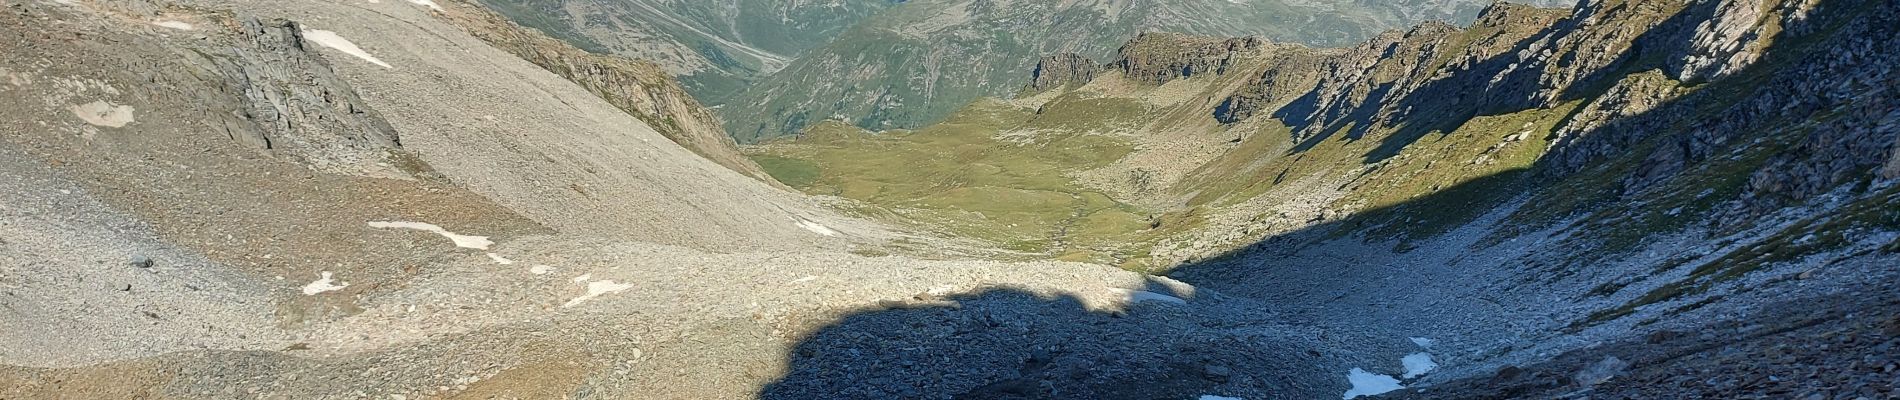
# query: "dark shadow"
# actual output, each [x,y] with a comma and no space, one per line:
[1010,344]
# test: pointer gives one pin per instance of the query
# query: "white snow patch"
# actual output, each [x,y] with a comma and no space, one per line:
[597,288]
[1138,296]
[815,227]
[331,40]
[807,278]
[499,259]
[1417,364]
[1369,384]
[179,25]
[582,278]
[1213,397]
[465,241]
[102,113]
[1423,343]
[323,284]
[540,269]
[430,3]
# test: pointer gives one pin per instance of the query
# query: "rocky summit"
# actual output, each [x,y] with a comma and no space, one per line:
[572,199]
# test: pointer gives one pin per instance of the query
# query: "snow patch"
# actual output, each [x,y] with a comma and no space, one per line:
[1423,343]
[499,259]
[323,284]
[179,25]
[331,40]
[582,278]
[1369,384]
[815,227]
[430,3]
[597,288]
[807,278]
[1138,296]
[464,241]
[102,113]
[1417,364]
[540,269]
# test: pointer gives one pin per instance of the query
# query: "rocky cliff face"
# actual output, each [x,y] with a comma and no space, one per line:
[1157,58]
[640,88]
[1062,70]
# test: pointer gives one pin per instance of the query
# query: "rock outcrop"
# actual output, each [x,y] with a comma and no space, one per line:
[1062,70]
[1157,58]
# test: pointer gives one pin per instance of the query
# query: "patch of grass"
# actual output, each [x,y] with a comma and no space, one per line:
[994,172]
[789,171]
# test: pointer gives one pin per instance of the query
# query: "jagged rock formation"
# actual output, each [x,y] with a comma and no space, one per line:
[294,97]
[638,87]
[1062,70]
[1156,58]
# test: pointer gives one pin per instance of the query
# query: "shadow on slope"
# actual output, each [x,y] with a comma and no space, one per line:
[1008,343]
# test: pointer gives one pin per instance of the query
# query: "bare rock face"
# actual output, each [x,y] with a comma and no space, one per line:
[1062,70]
[1720,45]
[294,99]
[1161,57]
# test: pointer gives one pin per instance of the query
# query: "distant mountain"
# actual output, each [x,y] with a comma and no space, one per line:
[917,63]
[714,46]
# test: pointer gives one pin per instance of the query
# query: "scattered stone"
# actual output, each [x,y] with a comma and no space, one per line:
[1217,373]
[1601,372]
[142,262]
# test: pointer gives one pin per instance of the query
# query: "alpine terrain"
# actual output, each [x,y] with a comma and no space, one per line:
[949,199]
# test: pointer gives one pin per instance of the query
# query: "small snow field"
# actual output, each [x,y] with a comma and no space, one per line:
[463,241]
[332,40]
[325,282]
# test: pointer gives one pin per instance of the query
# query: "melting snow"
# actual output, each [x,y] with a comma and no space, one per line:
[582,278]
[540,269]
[1138,296]
[472,242]
[1423,343]
[179,25]
[814,227]
[1417,364]
[597,288]
[1368,384]
[323,285]
[331,40]
[499,259]
[102,113]
[430,3]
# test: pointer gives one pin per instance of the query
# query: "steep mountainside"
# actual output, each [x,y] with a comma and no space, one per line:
[640,88]
[717,47]
[1590,175]
[916,63]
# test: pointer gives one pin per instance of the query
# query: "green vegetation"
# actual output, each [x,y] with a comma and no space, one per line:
[790,171]
[994,171]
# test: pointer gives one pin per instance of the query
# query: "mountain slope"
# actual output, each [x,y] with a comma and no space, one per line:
[916,63]
[639,88]
[1523,187]
[715,47]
